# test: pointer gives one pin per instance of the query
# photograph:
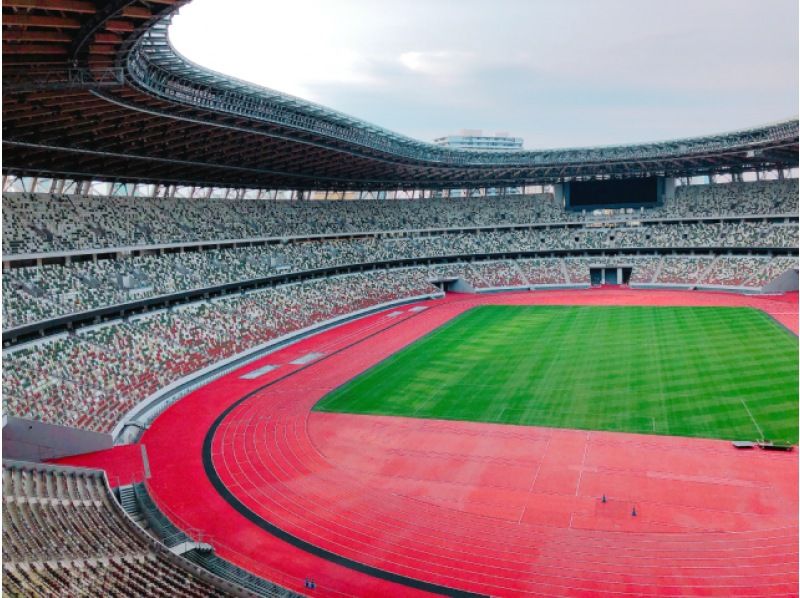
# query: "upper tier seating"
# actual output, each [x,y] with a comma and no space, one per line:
[761,197]
[45,224]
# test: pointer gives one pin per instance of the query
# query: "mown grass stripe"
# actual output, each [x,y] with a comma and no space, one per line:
[686,371]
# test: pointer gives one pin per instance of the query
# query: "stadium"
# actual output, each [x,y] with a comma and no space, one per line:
[254,346]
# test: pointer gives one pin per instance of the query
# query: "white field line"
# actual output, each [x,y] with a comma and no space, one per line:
[755,423]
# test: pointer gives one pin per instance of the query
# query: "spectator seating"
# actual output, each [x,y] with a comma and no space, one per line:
[496,274]
[733,271]
[45,224]
[759,197]
[37,293]
[643,268]
[771,270]
[543,271]
[91,378]
[65,535]
[680,270]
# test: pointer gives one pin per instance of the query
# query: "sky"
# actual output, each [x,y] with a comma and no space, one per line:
[559,73]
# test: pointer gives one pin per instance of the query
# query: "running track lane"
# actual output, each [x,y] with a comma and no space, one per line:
[288,467]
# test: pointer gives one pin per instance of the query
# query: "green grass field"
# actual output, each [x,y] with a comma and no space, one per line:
[711,372]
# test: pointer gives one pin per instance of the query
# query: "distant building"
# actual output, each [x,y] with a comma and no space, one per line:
[475,140]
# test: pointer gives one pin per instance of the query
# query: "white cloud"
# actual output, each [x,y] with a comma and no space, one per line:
[441,62]
[583,71]
[262,43]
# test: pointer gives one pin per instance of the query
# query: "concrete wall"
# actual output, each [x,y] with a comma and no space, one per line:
[558,194]
[460,286]
[669,188]
[788,281]
[30,440]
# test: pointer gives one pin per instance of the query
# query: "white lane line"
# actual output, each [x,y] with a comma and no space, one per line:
[583,463]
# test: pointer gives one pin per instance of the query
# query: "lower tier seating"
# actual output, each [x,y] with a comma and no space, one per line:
[65,535]
[91,378]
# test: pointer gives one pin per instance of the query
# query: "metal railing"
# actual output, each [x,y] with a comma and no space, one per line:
[161,518]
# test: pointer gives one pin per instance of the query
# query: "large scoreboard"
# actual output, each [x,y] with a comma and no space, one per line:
[614,193]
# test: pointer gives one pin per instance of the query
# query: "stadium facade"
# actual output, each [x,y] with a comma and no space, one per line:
[144,259]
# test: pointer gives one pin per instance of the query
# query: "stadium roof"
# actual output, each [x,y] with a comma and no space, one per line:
[99,93]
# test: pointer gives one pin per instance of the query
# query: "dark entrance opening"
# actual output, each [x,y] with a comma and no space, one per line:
[446,284]
[612,276]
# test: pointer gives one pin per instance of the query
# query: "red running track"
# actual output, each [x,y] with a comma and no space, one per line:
[485,508]
[123,464]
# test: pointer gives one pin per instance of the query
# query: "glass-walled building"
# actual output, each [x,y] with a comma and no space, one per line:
[474,139]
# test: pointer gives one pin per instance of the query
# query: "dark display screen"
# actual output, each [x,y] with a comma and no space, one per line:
[612,193]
